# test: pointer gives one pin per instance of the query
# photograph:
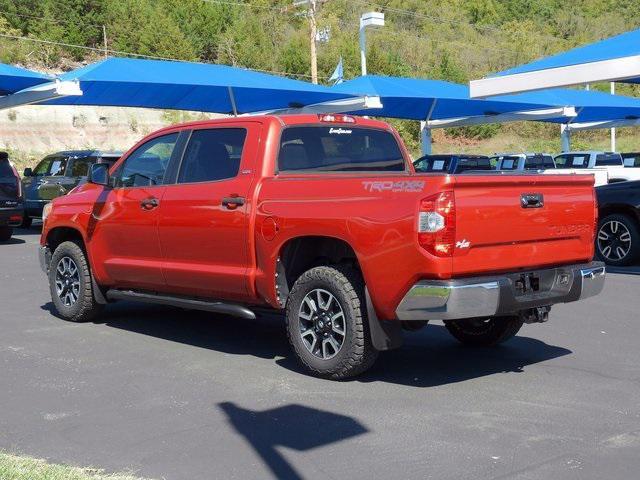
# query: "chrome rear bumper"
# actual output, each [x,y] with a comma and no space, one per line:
[500,295]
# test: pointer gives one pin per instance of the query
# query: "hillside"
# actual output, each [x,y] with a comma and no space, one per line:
[444,39]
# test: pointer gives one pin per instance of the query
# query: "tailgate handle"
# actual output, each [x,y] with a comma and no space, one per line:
[532,200]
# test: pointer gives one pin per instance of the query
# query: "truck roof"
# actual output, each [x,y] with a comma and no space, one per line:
[288,119]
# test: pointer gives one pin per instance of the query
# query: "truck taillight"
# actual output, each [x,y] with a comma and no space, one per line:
[15,174]
[437,224]
[335,118]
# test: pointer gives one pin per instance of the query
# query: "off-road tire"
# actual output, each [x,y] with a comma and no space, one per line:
[85,308]
[5,234]
[484,332]
[26,221]
[634,251]
[357,354]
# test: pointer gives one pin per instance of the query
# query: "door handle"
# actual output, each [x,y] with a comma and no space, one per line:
[149,203]
[232,202]
[532,200]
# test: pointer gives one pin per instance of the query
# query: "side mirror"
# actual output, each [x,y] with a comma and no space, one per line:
[27,172]
[99,174]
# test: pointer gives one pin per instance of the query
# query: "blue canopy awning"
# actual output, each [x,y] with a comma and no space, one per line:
[14,79]
[615,59]
[420,99]
[125,82]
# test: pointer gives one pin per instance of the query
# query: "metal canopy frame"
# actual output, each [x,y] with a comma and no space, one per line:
[603,71]
[626,122]
[41,93]
[528,115]
[332,106]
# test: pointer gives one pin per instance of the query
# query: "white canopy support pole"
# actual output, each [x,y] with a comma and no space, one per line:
[426,140]
[345,105]
[565,138]
[603,71]
[613,129]
[232,99]
[528,115]
[41,93]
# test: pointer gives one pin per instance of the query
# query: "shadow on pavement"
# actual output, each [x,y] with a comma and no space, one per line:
[430,357]
[13,241]
[33,230]
[632,270]
[293,426]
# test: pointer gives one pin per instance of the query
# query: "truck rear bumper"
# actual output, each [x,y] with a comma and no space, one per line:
[501,294]
[11,217]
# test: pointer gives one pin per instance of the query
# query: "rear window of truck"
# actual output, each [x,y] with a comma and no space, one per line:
[574,160]
[339,149]
[609,159]
[539,162]
[5,170]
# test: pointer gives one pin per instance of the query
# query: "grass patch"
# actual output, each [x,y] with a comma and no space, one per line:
[13,467]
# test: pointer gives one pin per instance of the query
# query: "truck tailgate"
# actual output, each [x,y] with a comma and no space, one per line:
[517,222]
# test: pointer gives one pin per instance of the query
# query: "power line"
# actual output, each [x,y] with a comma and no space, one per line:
[129,54]
[46,19]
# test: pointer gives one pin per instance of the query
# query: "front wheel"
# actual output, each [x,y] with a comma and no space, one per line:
[26,221]
[5,233]
[484,332]
[70,284]
[327,324]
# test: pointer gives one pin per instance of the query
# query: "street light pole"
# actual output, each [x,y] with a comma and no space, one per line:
[371,19]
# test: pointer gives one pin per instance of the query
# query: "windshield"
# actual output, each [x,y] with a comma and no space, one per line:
[608,159]
[506,162]
[572,160]
[631,159]
[539,162]
[339,149]
[433,163]
[52,165]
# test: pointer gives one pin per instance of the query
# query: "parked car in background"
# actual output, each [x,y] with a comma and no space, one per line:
[451,163]
[609,162]
[322,218]
[631,159]
[520,162]
[11,207]
[618,238]
[56,175]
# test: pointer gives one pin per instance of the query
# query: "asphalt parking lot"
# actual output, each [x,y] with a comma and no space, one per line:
[181,395]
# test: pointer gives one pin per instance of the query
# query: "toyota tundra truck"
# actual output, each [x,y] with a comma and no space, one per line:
[322,218]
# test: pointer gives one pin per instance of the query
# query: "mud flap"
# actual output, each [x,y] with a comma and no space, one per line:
[385,334]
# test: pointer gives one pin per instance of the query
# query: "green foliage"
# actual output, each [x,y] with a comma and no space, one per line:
[453,40]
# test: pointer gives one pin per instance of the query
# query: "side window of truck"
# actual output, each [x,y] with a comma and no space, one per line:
[146,165]
[212,154]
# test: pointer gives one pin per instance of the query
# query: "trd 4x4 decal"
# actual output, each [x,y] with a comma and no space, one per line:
[399,186]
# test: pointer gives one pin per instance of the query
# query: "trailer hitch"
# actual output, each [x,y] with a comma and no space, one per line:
[535,315]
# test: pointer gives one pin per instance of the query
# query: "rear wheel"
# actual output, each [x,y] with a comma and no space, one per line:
[618,240]
[484,332]
[327,325]
[5,233]
[70,284]
[26,221]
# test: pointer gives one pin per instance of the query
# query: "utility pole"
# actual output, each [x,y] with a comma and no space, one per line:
[312,11]
[313,32]
[104,39]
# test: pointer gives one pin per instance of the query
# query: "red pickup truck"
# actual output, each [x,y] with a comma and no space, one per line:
[324,218]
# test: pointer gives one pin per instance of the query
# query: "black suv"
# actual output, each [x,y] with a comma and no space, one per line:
[618,240]
[11,210]
[57,175]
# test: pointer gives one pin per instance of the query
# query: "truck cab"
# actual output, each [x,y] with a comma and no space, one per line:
[452,163]
[610,164]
